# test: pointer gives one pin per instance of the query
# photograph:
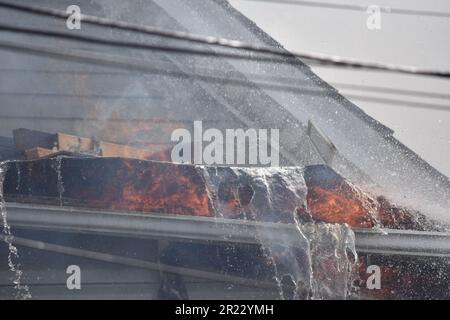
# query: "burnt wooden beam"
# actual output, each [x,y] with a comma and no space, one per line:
[38,144]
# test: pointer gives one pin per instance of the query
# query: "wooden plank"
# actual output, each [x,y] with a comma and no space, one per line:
[152,152]
[29,139]
[71,143]
[38,144]
[37,153]
[25,139]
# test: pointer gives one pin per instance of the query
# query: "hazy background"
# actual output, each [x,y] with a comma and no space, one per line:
[422,123]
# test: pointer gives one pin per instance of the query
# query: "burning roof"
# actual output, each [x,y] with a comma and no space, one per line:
[316,199]
[138,107]
[314,193]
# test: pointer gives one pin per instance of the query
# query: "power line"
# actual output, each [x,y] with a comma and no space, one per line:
[143,66]
[127,63]
[397,91]
[355,7]
[379,100]
[137,45]
[391,102]
[233,44]
[342,86]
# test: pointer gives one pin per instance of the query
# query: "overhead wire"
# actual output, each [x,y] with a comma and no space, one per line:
[229,43]
[357,7]
[341,86]
[145,66]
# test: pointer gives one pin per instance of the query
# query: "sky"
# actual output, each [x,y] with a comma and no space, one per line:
[419,121]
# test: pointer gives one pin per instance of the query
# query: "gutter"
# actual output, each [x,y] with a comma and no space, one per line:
[193,228]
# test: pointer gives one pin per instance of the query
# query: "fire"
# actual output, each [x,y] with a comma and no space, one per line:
[333,199]
[152,186]
[162,187]
[179,197]
[338,207]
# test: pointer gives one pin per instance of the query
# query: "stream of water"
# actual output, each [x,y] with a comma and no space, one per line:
[21,291]
[320,262]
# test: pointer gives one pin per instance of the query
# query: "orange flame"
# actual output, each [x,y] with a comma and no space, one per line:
[163,187]
[333,206]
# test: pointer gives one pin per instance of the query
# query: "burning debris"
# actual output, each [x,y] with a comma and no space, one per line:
[314,193]
[37,144]
[320,202]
